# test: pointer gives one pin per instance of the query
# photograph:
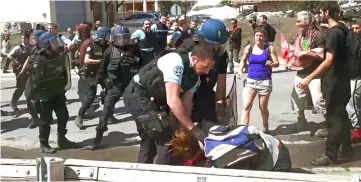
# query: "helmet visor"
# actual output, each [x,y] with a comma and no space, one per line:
[122,39]
[105,38]
[34,40]
[56,42]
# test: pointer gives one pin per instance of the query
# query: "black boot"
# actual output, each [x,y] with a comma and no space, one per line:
[112,119]
[96,143]
[34,123]
[13,105]
[64,143]
[79,122]
[45,148]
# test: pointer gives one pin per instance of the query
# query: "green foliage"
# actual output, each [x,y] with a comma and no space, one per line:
[307,6]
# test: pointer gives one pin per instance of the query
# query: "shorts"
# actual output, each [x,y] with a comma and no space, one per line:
[262,87]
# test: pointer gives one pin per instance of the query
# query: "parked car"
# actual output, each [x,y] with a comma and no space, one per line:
[137,18]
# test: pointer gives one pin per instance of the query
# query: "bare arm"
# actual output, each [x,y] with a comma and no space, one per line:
[88,60]
[327,63]
[188,103]
[244,59]
[176,105]
[275,62]
[25,66]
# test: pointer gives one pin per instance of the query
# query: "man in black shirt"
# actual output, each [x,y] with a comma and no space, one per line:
[335,86]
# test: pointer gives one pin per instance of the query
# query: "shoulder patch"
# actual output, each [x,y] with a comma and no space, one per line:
[178,71]
[88,49]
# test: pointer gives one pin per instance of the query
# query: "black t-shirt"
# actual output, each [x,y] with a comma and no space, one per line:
[318,42]
[336,81]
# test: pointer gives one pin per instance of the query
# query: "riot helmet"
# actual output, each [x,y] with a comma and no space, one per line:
[121,37]
[103,34]
[34,37]
[214,31]
[51,41]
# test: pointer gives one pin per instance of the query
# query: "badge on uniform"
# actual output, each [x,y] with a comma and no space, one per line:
[219,32]
[178,70]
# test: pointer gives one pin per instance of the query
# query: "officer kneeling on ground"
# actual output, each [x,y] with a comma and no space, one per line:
[121,62]
[213,33]
[49,77]
[166,83]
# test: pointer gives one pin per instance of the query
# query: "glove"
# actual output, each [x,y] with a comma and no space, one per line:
[198,134]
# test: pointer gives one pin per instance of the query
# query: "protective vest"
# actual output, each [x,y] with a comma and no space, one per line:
[122,66]
[162,36]
[185,35]
[22,54]
[152,81]
[149,41]
[48,77]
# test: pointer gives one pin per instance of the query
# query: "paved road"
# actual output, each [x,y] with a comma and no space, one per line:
[121,140]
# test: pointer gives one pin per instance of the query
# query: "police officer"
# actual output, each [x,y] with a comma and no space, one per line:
[18,56]
[34,40]
[122,60]
[92,60]
[49,75]
[147,41]
[166,84]
[213,33]
[161,29]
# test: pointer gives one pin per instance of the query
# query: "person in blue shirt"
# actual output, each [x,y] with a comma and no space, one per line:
[146,41]
[166,84]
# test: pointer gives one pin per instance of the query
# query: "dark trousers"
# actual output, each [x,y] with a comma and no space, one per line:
[336,91]
[45,108]
[148,147]
[112,97]
[89,95]
[20,86]
[6,64]
[147,56]
[204,107]
[30,103]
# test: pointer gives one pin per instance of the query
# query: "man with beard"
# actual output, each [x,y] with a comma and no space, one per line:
[146,41]
[335,86]
[213,33]
[166,84]
[161,29]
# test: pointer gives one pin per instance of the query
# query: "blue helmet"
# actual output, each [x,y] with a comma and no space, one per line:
[214,31]
[34,37]
[103,32]
[120,30]
[121,36]
[45,38]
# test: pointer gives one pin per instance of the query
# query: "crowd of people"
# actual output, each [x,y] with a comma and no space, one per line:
[166,73]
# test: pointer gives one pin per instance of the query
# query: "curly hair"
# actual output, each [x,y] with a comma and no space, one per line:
[184,145]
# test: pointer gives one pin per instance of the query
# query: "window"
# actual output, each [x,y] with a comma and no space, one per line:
[144,16]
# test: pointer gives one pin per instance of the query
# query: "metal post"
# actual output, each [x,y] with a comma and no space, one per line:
[133,6]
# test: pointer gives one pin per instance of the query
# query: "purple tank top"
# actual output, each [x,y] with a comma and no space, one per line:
[257,69]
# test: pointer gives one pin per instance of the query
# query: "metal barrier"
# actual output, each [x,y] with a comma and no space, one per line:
[57,169]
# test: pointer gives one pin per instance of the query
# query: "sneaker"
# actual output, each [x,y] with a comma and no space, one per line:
[322,161]
[356,136]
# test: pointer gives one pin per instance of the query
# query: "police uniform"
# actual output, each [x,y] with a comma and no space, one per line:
[49,75]
[117,69]
[205,98]
[20,53]
[161,31]
[145,97]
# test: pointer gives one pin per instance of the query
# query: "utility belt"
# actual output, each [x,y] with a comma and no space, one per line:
[158,124]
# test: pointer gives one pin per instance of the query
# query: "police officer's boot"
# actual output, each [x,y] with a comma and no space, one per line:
[34,123]
[96,143]
[64,143]
[44,144]
[13,105]
[112,119]
[79,122]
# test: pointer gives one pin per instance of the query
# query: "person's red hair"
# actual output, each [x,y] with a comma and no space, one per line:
[83,31]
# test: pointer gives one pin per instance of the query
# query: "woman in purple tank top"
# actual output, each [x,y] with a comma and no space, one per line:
[262,58]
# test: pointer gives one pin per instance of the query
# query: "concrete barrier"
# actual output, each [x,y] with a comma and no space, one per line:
[57,169]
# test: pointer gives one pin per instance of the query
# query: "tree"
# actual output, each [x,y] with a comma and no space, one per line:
[307,5]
